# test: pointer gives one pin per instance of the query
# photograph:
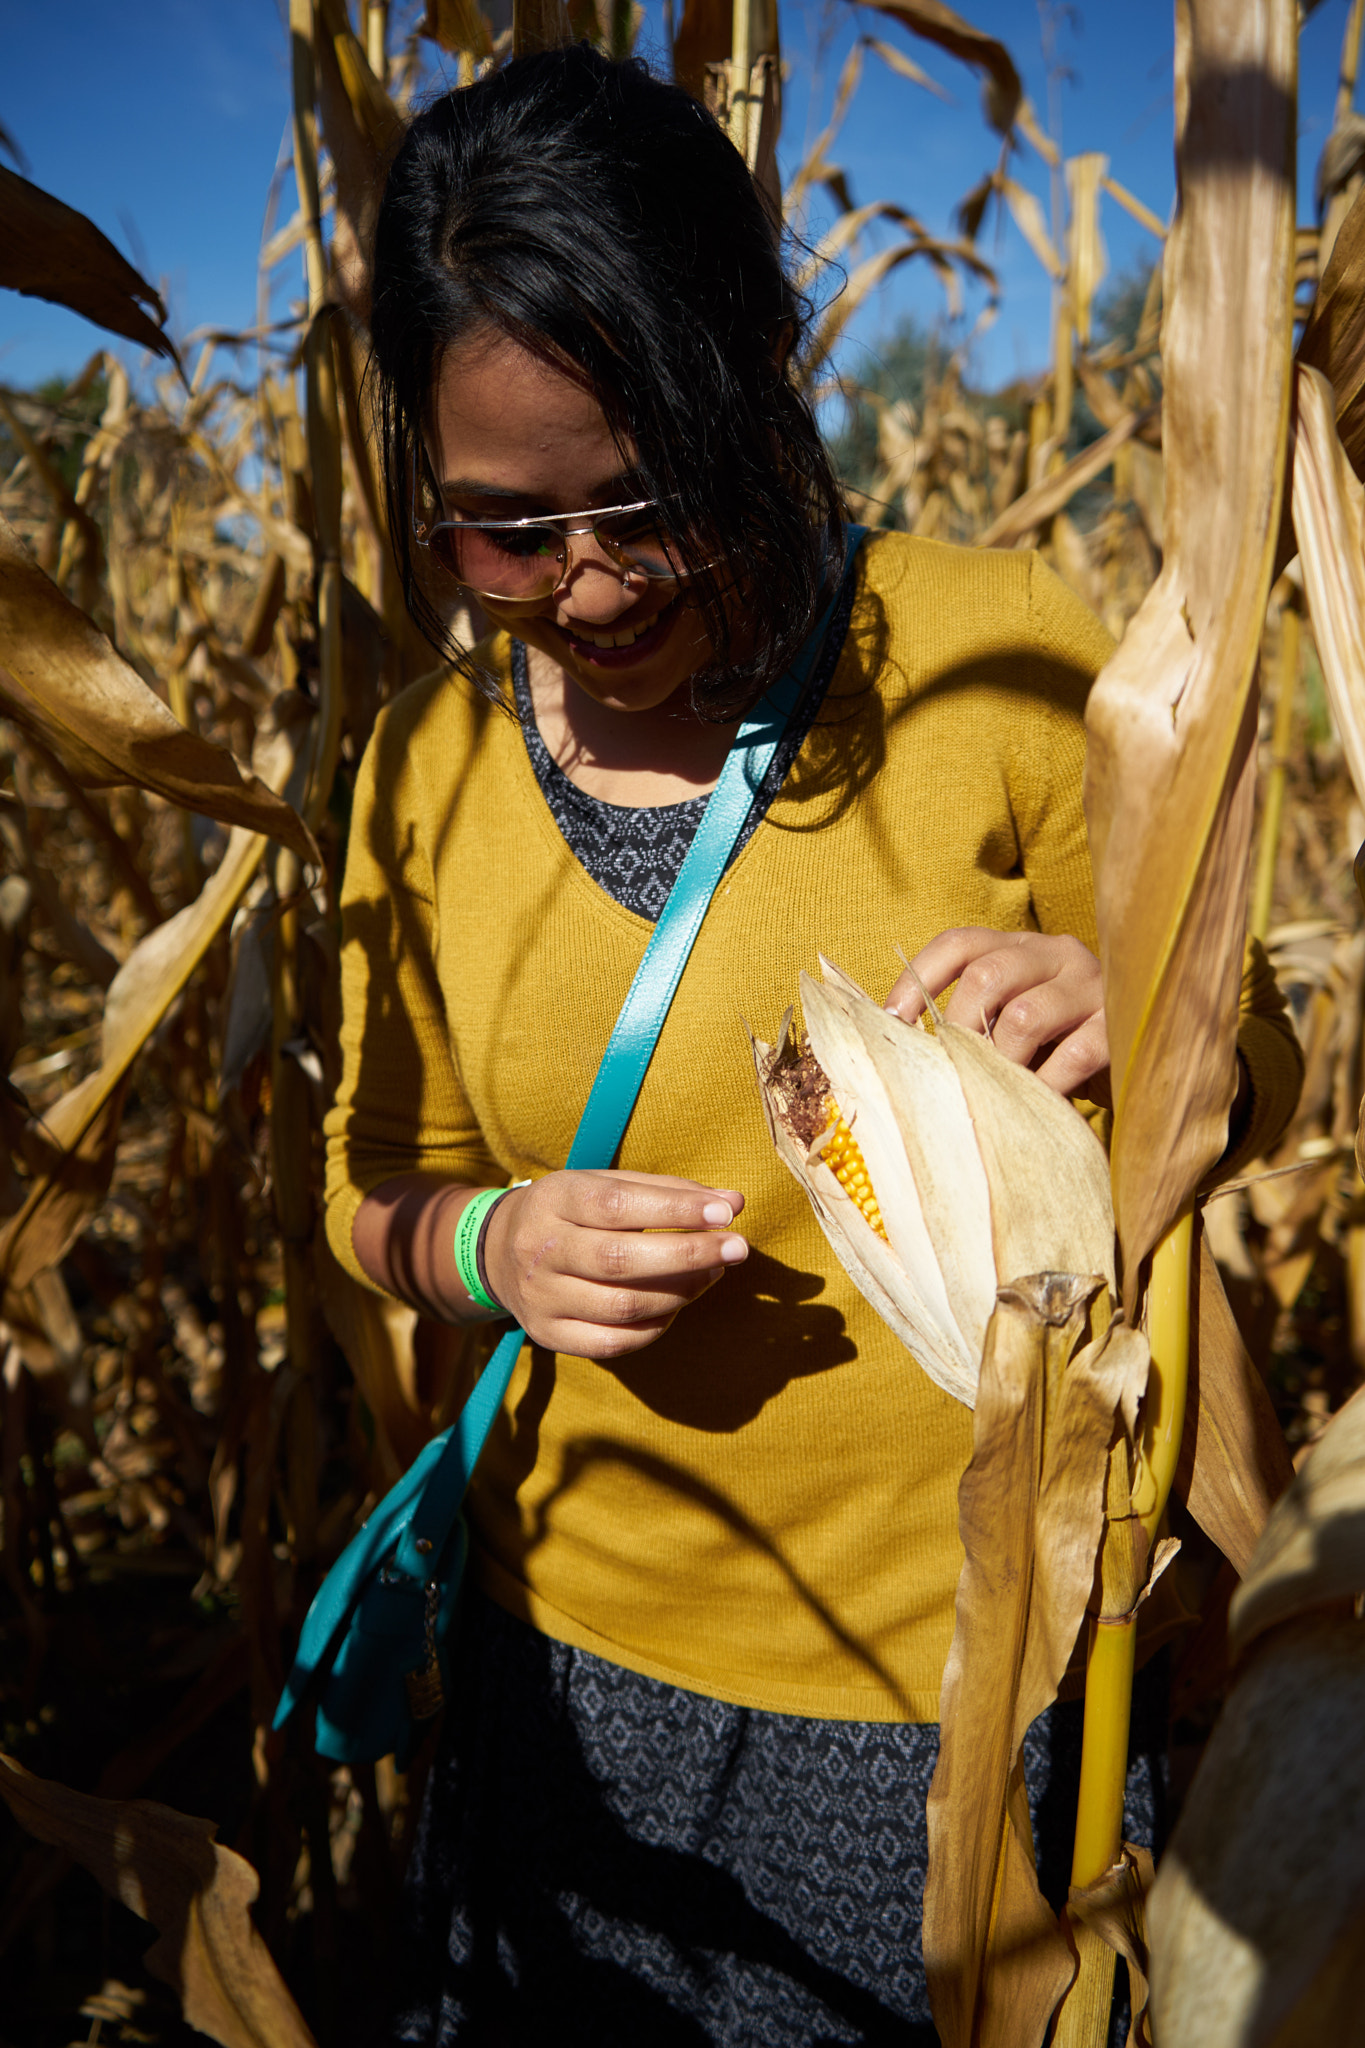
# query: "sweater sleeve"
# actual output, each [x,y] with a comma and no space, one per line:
[1071,646]
[1067,647]
[400,1107]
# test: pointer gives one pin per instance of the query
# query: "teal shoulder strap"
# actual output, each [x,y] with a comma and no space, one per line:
[441,1476]
[631,1045]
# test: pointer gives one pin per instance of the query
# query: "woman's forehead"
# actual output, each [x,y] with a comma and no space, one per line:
[509,423]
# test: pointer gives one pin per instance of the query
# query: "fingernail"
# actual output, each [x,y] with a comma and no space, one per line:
[718,1212]
[733,1250]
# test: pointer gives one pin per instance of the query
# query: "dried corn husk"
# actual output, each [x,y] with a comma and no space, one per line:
[1256,1919]
[1334,334]
[1171,764]
[168,1868]
[1329,525]
[981,1172]
[1031,1509]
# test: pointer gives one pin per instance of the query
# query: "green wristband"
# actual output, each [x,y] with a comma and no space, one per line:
[467,1247]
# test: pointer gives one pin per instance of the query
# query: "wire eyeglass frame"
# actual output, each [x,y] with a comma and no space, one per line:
[566,526]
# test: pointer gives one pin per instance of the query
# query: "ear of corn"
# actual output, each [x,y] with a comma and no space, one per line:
[843,1156]
[937,1169]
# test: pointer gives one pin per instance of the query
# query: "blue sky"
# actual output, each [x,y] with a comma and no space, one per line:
[163,121]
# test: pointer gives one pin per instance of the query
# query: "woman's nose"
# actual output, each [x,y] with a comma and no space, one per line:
[594,588]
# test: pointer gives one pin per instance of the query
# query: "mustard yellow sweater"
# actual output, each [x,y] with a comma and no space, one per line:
[762,1505]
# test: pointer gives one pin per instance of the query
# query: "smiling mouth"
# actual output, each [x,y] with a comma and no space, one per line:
[624,645]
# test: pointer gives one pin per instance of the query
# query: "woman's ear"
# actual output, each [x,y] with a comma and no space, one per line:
[780,344]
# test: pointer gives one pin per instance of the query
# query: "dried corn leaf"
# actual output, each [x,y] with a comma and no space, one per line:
[1031,1508]
[1329,526]
[377,119]
[167,1868]
[1256,1919]
[1115,1910]
[50,251]
[1143,215]
[1171,719]
[459,25]
[1108,408]
[62,678]
[1234,1464]
[281,535]
[1003,93]
[904,67]
[1086,260]
[1148,485]
[1333,339]
[850,224]
[1027,123]
[1313,1550]
[66,1192]
[364,130]
[1047,498]
[81,1128]
[942,256]
[1027,215]
[816,164]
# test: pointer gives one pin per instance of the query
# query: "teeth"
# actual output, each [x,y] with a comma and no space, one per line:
[625,638]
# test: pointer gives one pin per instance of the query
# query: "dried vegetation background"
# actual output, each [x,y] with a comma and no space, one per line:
[196,1408]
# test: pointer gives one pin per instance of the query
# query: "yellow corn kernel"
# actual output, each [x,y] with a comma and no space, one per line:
[843,1156]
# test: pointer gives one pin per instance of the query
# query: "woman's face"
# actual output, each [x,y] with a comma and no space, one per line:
[511,438]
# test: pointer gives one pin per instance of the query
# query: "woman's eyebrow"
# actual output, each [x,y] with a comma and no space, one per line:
[619,486]
[474,487]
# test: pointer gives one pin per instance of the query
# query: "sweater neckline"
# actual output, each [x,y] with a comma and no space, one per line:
[634,853]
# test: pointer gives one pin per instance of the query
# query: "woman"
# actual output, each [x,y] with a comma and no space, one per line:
[681,1787]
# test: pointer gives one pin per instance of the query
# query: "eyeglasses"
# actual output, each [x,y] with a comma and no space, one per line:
[521,561]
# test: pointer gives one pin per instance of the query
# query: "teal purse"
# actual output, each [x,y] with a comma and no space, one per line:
[373,1650]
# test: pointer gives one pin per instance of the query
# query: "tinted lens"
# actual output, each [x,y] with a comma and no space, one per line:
[637,539]
[518,564]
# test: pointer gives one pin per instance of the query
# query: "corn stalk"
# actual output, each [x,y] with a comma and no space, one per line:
[291,1112]
[1169,781]
[1281,742]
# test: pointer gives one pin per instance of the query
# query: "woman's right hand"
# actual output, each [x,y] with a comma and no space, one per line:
[597,1264]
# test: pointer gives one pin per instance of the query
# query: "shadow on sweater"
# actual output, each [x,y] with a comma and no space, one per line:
[708,1389]
[584,1452]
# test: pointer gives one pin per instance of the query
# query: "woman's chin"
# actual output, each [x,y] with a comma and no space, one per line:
[653,684]
[637,677]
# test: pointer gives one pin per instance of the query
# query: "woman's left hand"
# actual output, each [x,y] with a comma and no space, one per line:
[1041,997]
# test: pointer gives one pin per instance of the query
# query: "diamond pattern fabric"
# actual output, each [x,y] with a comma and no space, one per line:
[603,1858]
[635,853]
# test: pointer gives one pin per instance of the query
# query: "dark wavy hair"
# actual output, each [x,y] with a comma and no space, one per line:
[603,220]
